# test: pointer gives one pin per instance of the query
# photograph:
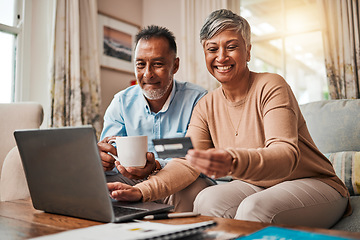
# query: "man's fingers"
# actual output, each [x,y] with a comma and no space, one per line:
[106,158]
[136,172]
[122,170]
[150,157]
[107,161]
[105,146]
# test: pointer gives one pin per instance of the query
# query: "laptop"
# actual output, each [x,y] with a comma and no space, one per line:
[65,176]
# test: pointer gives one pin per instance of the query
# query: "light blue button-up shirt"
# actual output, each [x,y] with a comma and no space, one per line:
[129,114]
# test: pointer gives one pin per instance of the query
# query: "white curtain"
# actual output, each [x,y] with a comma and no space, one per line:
[193,14]
[75,90]
[341,23]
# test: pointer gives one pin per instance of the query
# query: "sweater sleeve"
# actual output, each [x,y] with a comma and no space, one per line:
[278,111]
[198,129]
[175,176]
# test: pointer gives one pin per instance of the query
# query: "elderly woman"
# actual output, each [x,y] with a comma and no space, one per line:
[251,128]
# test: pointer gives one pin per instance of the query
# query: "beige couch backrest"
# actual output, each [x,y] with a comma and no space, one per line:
[14,116]
[334,125]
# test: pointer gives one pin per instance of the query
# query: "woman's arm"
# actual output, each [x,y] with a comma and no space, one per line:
[175,176]
[268,134]
[277,113]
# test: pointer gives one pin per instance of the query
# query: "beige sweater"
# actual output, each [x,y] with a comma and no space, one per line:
[273,144]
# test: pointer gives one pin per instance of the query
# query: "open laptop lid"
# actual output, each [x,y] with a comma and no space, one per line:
[65,176]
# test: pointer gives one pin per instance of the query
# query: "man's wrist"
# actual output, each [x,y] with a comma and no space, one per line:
[157,167]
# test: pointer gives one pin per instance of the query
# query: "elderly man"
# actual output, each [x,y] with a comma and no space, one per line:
[159,107]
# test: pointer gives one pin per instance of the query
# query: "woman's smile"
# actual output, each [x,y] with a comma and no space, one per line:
[226,68]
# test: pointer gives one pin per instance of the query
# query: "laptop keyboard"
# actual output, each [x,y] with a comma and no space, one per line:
[121,211]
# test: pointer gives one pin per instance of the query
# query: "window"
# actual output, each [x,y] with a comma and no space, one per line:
[287,39]
[9,31]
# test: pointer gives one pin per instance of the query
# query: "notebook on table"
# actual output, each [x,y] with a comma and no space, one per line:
[65,176]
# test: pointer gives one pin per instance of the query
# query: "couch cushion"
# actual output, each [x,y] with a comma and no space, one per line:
[334,124]
[16,116]
[351,223]
[13,184]
[347,168]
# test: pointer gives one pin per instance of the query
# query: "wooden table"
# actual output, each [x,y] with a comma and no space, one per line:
[19,220]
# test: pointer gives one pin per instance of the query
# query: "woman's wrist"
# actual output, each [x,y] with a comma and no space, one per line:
[233,162]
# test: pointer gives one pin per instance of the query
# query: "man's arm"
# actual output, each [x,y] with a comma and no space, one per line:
[113,126]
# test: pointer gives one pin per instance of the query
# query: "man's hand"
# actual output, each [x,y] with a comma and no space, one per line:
[138,173]
[213,162]
[108,162]
[123,192]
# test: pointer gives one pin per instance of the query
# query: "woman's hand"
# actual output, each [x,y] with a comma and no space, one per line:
[123,192]
[213,162]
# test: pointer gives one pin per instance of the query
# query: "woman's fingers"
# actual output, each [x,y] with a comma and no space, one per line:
[123,192]
[212,162]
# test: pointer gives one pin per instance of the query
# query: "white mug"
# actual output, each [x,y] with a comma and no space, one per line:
[131,150]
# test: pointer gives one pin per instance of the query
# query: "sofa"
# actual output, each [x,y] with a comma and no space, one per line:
[25,115]
[335,128]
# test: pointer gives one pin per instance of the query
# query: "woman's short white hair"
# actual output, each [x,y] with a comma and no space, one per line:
[224,19]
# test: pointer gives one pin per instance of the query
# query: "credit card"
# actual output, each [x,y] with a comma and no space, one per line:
[172,147]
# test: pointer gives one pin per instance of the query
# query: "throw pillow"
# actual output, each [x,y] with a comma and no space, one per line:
[13,184]
[347,168]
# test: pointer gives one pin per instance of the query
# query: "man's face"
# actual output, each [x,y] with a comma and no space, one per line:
[155,66]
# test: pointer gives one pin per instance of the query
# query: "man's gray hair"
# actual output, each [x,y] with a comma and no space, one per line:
[223,19]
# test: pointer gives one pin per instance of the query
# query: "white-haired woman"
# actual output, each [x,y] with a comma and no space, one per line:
[251,128]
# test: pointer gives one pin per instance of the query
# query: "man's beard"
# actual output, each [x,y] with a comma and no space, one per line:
[156,94]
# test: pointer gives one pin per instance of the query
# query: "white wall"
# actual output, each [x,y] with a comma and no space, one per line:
[113,81]
[35,80]
[141,13]
[165,13]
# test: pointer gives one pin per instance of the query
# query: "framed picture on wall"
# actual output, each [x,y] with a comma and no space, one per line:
[116,43]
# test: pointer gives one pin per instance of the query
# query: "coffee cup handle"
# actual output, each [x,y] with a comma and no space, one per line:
[116,158]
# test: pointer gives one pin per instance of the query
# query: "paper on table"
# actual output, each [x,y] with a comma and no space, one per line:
[129,231]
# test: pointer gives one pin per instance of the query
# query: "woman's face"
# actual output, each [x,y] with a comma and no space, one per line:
[226,56]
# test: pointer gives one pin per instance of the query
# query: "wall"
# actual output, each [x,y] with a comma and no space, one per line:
[113,81]
[142,13]
[36,84]
[165,13]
